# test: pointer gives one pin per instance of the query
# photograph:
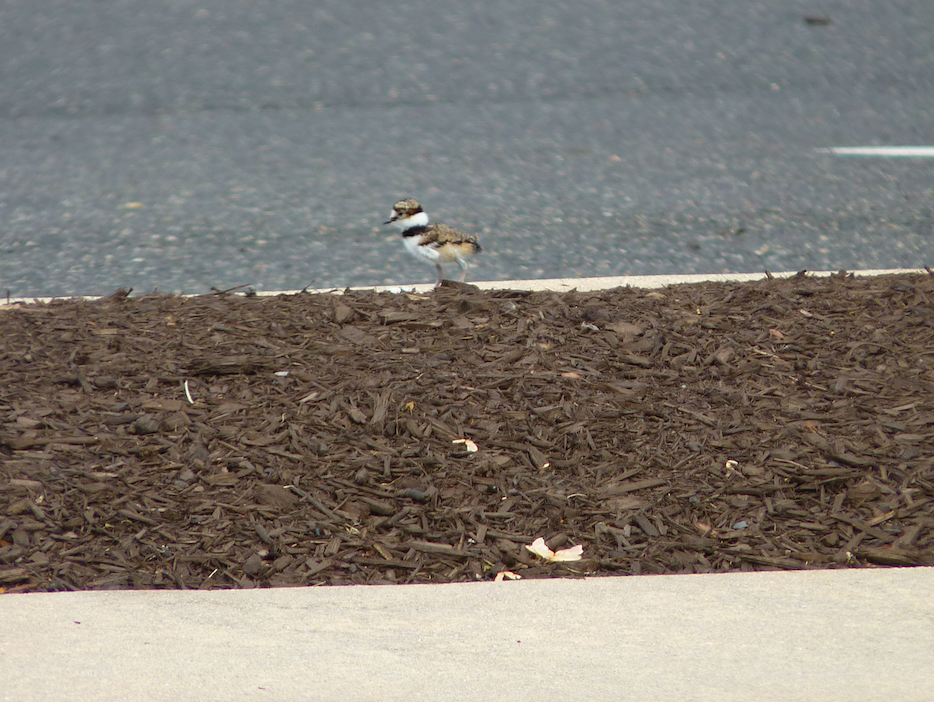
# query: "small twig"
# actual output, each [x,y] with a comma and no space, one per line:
[229,290]
[188,394]
[314,502]
[313,281]
[120,294]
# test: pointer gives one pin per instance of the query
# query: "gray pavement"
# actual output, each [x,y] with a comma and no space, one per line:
[177,145]
[785,636]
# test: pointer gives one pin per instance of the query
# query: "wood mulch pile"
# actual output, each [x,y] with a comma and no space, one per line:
[234,441]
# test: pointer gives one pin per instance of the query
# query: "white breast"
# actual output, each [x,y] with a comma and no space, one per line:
[422,253]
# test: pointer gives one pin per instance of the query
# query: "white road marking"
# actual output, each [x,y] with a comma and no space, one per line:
[886,151]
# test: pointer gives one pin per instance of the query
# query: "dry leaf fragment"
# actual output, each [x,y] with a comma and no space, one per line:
[309,397]
[572,375]
[575,553]
[539,548]
[506,575]
[776,334]
[705,529]
[468,444]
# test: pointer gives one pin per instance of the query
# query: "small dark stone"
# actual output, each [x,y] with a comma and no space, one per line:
[147,424]
[416,494]
[253,565]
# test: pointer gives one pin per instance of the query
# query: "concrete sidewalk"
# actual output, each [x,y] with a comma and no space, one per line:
[808,635]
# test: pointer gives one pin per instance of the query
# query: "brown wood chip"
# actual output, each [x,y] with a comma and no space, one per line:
[307,439]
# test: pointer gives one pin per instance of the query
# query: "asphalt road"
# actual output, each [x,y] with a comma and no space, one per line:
[178,145]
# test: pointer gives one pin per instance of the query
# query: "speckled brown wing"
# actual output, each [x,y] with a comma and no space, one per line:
[438,235]
[451,244]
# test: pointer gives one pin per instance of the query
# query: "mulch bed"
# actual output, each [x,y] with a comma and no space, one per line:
[235,441]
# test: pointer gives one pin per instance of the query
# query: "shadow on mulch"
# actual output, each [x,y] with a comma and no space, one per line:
[231,441]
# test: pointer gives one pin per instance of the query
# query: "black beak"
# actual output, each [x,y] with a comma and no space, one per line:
[390,221]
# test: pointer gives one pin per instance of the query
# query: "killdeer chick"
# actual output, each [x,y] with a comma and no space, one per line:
[432,243]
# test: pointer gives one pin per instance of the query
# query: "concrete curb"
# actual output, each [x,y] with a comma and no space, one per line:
[549,284]
[647,282]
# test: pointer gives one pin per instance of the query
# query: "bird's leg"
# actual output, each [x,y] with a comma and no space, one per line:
[440,275]
[463,264]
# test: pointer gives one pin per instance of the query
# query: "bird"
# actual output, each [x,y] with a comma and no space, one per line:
[432,243]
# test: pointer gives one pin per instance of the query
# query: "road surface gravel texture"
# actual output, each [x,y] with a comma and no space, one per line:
[179,145]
